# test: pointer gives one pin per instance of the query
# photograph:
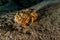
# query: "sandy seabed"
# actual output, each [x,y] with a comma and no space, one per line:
[47,27]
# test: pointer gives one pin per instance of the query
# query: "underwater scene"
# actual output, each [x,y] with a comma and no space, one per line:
[29,19]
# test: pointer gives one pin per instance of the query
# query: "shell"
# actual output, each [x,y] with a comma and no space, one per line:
[26,16]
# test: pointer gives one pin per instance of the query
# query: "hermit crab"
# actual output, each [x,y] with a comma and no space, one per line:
[26,16]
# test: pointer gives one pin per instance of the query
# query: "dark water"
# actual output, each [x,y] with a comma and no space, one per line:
[11,6]
[15,5]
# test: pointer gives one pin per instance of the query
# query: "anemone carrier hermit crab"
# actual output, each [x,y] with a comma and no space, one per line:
[26,16]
